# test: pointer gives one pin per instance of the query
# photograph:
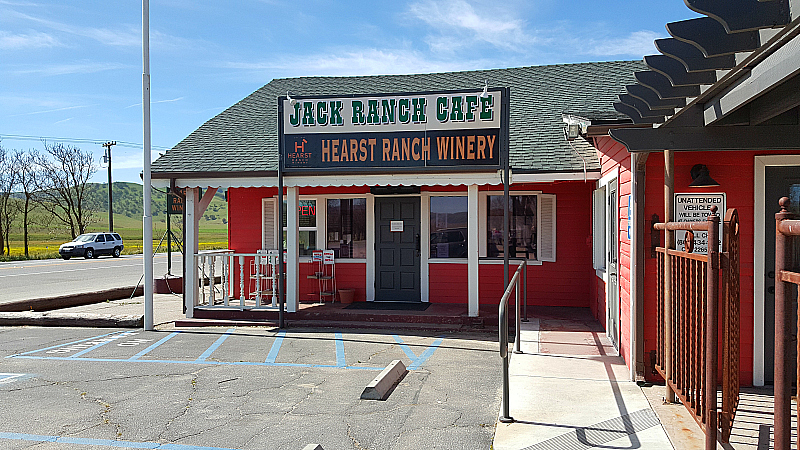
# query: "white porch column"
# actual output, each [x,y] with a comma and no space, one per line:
[191,246]
[472,249]
[292,249]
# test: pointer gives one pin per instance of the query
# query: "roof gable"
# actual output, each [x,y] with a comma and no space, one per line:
[243,138]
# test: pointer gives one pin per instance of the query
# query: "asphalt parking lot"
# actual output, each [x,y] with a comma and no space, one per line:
[244,388]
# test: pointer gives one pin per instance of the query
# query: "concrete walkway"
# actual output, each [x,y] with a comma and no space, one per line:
[569,391]
[167,308]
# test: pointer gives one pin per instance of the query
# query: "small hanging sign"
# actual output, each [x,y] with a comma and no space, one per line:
[396,225]
[691,207]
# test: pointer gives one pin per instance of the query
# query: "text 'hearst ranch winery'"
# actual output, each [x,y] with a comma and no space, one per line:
[417,130]
[472,147]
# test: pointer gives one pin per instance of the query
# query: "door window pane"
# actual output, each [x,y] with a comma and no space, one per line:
[347,227]
[308,241]
[307,211]
[449,227]
[522,233]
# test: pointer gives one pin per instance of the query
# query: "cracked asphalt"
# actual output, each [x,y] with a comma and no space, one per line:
[244,388]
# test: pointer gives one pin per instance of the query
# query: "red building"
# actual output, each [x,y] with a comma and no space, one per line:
[402,178]
[353,171]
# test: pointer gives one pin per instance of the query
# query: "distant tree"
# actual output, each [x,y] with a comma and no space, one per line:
[8,210]
[61,185]
[24,164]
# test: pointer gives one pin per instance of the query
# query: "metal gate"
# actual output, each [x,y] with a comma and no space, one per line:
[695,315]
[787,253]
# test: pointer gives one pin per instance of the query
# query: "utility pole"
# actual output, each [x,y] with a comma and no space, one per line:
[107,158]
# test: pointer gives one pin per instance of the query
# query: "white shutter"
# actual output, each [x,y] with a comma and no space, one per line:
[547,227]
[268,219]
[599,228]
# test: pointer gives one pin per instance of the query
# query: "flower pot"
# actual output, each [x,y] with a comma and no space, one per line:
[346,295]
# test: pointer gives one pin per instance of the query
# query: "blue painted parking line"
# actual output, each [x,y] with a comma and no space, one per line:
[6,378]
[425,355]
[215,345]
[339,350]
[83,346]
[67,440]
[411,355]
[417,361]
[276,347]
[101,342]
[59,346]
[215,363]
[153,347]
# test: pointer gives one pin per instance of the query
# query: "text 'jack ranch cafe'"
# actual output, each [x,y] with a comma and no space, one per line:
[414,131]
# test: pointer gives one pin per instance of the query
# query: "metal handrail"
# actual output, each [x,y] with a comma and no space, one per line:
[513,285]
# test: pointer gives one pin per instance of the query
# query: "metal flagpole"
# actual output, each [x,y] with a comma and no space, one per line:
[147,220]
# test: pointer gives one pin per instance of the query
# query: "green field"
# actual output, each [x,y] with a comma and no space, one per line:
[45,235]
[43,242]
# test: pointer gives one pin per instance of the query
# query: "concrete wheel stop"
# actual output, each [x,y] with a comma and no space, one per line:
[384,383]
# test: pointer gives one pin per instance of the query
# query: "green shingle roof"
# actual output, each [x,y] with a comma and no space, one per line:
[243,138]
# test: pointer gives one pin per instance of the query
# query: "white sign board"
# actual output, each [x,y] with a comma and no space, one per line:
[696,208]
[396,225]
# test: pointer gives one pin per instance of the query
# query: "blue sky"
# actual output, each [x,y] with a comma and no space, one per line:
[73,69]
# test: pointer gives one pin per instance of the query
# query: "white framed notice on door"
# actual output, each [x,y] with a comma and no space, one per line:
[396,225]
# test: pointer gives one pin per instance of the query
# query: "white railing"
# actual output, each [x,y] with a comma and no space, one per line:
[257,273]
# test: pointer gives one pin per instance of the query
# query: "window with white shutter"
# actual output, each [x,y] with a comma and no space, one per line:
[268,212]
[599,228]
[547,227]
[533,226]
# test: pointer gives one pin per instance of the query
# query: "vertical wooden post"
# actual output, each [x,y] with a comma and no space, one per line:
[669,191]
[783,335]
[711,338]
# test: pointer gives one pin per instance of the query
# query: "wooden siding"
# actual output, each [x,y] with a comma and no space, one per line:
[734,171]
[567,282]
[613,156]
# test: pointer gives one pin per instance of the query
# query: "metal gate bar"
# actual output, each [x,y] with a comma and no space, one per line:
[689,328]
[785,230]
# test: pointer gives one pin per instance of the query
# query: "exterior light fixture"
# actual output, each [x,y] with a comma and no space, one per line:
[485,92]
[572,131]
[291,100]
[701,177]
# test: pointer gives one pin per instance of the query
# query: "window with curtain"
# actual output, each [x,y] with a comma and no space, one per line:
[449,227]
[347,227]
[522,236]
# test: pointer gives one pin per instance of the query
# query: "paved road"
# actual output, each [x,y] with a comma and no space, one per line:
[23,280]
[247,388]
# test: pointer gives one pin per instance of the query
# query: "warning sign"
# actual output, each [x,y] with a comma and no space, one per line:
[696,208]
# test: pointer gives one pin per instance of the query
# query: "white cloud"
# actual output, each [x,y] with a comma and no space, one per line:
[120,36]
[355,62]
[157,101]
[459,25]
[33,39]
[51,110]
[67,69]
[638,43]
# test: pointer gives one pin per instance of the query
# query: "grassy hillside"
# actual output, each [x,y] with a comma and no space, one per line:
[45,235]
[128,202]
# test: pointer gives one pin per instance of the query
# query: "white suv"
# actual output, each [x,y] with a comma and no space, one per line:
[92,245]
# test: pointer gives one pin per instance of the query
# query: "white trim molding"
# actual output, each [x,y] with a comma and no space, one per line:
[759,245]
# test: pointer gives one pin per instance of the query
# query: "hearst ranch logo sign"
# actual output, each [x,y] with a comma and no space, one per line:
[396,131]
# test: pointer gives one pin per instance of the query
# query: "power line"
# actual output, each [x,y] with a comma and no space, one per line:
[22,137]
